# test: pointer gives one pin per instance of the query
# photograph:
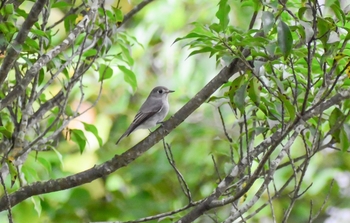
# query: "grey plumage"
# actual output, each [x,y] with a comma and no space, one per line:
[152,111]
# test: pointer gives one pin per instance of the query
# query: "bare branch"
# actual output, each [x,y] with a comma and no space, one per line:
[268,177]
[311,219]
[135,10]
[184,187]
[7,199]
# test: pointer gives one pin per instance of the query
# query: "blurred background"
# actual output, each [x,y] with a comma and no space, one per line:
[149,186]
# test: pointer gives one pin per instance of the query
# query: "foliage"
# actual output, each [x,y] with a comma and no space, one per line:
[271,144]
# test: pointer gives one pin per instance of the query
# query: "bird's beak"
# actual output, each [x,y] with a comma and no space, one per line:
[170,91]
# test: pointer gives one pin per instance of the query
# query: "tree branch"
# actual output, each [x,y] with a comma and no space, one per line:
[133,11]
[123,160]
[15,48]
[44,59]
[272,142]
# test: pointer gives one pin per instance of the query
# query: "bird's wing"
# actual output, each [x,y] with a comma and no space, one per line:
[144,114]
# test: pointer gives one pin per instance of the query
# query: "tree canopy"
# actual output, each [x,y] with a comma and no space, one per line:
[258,128]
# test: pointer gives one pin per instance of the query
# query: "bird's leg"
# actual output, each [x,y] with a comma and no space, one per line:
[161,123]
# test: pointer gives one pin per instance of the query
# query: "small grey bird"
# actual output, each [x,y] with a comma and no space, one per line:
[152,111]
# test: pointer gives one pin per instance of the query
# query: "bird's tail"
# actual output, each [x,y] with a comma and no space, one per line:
[126,133]
[121,137]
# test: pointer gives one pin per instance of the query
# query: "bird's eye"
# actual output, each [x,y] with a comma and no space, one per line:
[160,91]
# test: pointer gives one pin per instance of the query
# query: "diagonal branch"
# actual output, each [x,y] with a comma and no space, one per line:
[118,162]
[15,48]
[133,11]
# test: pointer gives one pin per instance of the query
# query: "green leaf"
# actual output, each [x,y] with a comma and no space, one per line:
[11,27]
[65,71]
[5,132]
[254,41]
[37,204]
[301,12]
[69,111]
[324,26]
[271,112]
[223,13]
[42,98]
[284,38]
[32,43]
[78,137]
[38,32]
[259,130]
[279,83]
[345,138]
[134,41]
[249,4]
[93,130]
[90,53]
[330,2]
[198,31]
[203,50]
[255,4]
[335,117]
[307,30]
[129,77]
[214,98]
[41,76]
[107,44]
[118,14]
[347,37]
[126,54]
[30,174]
[60,4]
[13,172]
[22,13]
[254,90]
[338,12]
[69,22]
[236,83]
[268,21]
[45,163]
[105,72]
[288,105]
[59,155]
[9,9]
[271,48]
[3,28]
[109,14]
[215,27]
[239,98]
[263,108]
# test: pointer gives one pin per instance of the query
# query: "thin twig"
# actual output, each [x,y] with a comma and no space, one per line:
[216,167]
[135,10]
[181,179]
[9,215]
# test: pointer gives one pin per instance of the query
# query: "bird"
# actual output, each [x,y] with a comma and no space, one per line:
[152,111]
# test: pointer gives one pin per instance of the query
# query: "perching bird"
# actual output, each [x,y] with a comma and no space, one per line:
[152,111]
